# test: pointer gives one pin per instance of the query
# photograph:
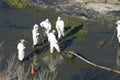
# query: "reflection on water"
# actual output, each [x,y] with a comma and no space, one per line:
[20,71]
[35,60]
[52,60]
[118,57]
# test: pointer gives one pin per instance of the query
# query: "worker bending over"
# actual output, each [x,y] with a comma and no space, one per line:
[46,25]
[53,41]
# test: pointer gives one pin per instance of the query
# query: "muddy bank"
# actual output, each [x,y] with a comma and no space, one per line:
[82,9]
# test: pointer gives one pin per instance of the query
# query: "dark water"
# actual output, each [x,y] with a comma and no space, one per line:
[13,24]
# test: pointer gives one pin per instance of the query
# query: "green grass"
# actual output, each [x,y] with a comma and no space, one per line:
[17,3]
[80,35]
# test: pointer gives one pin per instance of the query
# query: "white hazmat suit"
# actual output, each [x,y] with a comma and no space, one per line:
[35,35]
[53,42]
[21,50]
[60,27]
[118,30]
[46,25]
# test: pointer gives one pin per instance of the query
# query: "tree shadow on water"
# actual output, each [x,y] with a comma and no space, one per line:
[66,43]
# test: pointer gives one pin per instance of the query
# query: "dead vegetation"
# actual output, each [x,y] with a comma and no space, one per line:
[15,70]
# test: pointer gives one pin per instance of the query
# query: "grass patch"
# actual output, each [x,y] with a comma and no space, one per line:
[17,3]
[80,35]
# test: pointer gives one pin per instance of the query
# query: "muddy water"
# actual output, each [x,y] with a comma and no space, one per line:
[14,22]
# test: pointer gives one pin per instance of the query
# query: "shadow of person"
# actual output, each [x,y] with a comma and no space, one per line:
[68,39]
[67,28]
[33,53]
[66,43]
[74,30]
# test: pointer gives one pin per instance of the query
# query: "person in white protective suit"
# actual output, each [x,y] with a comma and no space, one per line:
[35,35]
[60,27]
[46,25]
[21,50]
[53,41]
[118,30]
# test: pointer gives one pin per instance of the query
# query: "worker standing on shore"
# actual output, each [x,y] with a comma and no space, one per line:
[21,50]
[118,30]
[53,41]
[35,35]
[60,27]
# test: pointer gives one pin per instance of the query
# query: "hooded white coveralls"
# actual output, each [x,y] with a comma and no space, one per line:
[21,52]
[35,35]
[118,30]
[53,42]
[47,25]
[60,27]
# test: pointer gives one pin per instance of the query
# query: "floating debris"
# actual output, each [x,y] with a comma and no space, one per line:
[101,43]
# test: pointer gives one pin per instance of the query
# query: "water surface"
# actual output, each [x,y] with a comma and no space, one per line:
[13,24]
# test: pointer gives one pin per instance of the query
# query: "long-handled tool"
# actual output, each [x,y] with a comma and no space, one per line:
[110,43]
[41,37]
[102,43]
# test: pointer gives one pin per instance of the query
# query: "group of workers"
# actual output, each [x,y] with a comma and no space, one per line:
[48,32]
[51,37]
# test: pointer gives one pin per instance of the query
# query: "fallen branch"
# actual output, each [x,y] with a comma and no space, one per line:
[93,64]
